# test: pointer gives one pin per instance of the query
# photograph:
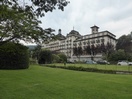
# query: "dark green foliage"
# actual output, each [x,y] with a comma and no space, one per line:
[20,21]
[36,52]
[55,58]
[78,51]
[63,57]
[75,51]
[45,56]
[40,7]
[120,55]
[13,56]
[16,26]
[124,42]
[48,5]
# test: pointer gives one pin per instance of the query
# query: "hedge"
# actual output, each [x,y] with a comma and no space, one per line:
[14,56]
[90,69]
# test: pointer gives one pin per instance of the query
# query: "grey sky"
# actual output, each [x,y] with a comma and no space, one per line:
[112,15]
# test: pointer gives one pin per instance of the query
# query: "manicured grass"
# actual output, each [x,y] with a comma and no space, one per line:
[52,83]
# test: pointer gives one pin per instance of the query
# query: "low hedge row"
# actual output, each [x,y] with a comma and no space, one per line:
[90,69]
[83,69]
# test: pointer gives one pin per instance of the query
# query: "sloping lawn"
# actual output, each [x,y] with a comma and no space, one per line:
[52,83]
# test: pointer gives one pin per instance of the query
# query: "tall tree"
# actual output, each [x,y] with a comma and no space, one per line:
[36,51]
[19,22]
[63,57]
[88,49]
[103,48]
[109,50]
[45,56]
[38,7]
[98,49]
[77,51]
[124,42]
[80,51]
[119,55]
[92,50]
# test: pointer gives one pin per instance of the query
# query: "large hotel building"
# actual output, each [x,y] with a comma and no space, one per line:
[70,44]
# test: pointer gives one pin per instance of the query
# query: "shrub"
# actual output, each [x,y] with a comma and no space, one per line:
[55,58]
[45,56]
[13,56]
[63,57]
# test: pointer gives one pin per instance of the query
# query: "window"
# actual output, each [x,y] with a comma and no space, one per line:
[75,44]
[102,40]
[88,42]
[98,41]
[84,43]
[80,43]
[93,41]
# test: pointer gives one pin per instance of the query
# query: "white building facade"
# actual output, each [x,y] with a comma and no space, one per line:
[70,44]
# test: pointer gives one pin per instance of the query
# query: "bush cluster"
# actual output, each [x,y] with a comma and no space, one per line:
[13,56]
[45,56]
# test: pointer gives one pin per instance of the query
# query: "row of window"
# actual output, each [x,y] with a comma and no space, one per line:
[84,43]
[90,42]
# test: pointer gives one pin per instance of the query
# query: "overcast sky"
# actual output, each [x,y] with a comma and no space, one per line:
[112,15]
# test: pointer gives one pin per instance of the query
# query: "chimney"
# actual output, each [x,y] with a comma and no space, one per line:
[59,31]
[94,29]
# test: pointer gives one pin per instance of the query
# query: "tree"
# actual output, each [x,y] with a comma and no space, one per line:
[36,51]
[119,55]
[38,7]
[91,50]
[62,57]
[55,58]
[80,52]
[45,56]
[124,42]
[88,49]
[21,23]
[109,50]
[77,51]
[44,6]
[98,49]
[103,48]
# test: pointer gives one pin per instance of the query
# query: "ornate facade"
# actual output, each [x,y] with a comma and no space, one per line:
[77,47]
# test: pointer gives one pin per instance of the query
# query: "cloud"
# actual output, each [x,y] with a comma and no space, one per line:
[112,15]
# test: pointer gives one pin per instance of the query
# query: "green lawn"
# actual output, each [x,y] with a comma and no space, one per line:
[53,83]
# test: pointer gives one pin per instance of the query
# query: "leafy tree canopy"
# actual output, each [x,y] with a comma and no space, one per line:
[124,42]
[39,7]
[20,22]
[119,55]
[63,57]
